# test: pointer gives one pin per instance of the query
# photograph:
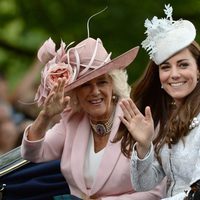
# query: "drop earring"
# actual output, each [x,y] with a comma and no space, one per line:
[114,98]
[75,102]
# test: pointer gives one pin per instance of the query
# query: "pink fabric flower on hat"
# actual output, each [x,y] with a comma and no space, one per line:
[56,66]
[56,71]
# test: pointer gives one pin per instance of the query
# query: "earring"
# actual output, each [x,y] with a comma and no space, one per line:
[113,97]
[162,86]
[75,102]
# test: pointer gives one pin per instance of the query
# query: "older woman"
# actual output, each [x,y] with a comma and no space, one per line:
[85,86]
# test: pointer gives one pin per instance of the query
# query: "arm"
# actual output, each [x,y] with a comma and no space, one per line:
[54,104]
[37,145]
[145,172]
[190,168]
[48,148]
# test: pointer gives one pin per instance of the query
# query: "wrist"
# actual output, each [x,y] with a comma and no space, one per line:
[44,115]
[142,150]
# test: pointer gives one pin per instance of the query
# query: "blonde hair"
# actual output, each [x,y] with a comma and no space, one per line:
[121,88]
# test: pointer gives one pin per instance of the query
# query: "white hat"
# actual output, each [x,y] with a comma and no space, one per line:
[165,37]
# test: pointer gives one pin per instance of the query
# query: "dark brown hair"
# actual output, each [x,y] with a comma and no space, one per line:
[127,140]
[174,122]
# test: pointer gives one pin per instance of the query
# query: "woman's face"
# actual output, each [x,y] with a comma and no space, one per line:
[179,75]
[95,97]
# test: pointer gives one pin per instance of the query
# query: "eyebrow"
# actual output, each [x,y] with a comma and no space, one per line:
[177,62]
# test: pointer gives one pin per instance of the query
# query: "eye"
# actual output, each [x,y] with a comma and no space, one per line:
[184,65]
[103,82]
[164,67]
[85,85]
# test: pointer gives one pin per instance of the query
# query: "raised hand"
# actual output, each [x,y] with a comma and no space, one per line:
[54,104]
[56,101]
[140,127]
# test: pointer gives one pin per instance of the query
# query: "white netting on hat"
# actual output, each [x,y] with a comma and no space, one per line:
[156,29]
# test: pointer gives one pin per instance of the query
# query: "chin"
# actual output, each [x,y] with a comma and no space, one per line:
[97,115]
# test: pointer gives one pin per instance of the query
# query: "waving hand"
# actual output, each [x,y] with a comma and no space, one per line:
[56,102]
[140,126]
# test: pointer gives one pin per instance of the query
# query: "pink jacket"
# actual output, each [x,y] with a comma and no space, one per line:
[68,141]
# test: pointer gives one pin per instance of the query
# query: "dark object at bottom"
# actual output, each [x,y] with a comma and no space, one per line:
[32,181]
[66,197]
[194,193]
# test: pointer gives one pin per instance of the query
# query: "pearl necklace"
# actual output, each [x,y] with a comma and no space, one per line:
[103,129]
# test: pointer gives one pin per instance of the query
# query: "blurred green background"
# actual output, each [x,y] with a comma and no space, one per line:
[26,24]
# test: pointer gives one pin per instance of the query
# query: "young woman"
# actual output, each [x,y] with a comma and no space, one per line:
[166,110]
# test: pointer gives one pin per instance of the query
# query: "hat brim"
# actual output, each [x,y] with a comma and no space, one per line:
[119,62]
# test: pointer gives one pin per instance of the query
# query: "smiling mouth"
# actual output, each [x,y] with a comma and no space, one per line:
[96,101]
[177,84]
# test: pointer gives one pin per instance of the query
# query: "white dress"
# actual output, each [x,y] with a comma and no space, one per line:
[181,165]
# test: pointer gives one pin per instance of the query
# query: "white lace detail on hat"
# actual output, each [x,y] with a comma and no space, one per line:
[157,28]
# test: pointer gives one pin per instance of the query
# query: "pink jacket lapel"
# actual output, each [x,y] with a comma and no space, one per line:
[79,151]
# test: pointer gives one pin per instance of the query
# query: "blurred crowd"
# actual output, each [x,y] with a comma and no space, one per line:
[17,108]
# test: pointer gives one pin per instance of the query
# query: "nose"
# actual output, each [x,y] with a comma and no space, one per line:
[95,89]
[174,73]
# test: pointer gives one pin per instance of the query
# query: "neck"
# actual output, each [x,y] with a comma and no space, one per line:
[102,128]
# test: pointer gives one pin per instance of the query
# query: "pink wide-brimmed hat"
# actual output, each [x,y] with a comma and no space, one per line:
[79,64]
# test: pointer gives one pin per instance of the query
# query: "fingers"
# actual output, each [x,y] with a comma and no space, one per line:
[133,107]
[57,92]
[148,114]
[129,108]
[60,85]
[49,98]
[124,121]
[58,88]
[125,107]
